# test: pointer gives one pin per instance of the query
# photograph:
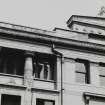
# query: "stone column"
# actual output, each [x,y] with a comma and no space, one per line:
[28,70]
[28,77]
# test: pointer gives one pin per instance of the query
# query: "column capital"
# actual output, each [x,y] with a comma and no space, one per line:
[29,54]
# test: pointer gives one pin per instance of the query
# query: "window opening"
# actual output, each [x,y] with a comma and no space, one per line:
[82,71]
[12,61]
[44,66]
[44,102]
[10,100]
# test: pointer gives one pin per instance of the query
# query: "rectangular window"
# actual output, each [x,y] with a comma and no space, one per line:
[12,61]
[94,99]
[96,102]
[44,67]
[82,71]
[102,74]
[44,102]
[10,100]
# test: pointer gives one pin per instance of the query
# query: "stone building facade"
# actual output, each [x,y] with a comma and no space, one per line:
[59,67]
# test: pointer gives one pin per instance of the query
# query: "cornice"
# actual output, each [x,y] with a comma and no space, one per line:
[86,24]
[13,86]
[56,28]
[45,90]
[48,39]
[80,16]
[85,94]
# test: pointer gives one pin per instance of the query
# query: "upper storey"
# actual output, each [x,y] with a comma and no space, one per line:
[87,24]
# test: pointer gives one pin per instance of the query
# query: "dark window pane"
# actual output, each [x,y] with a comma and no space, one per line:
[44,102]
[37,70]
[10,100]
[44,66]
[39,102]
[12,61]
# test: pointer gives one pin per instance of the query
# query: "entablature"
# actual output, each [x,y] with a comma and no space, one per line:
[47,37]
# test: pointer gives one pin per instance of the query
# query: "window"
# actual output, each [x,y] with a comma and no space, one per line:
[82,71]
[94,99]
[102,73]
[10,100]
[44,102]
[44,66]
[11,61]
[97,102]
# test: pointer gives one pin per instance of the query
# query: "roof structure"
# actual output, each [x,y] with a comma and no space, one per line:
[97,21]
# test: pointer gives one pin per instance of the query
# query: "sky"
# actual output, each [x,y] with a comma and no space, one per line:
[46,14]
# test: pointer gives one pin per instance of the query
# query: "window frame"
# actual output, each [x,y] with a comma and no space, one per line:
[19,98]
[88,96]
[87,68]
[48,58]
[14,59]
[48,100]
